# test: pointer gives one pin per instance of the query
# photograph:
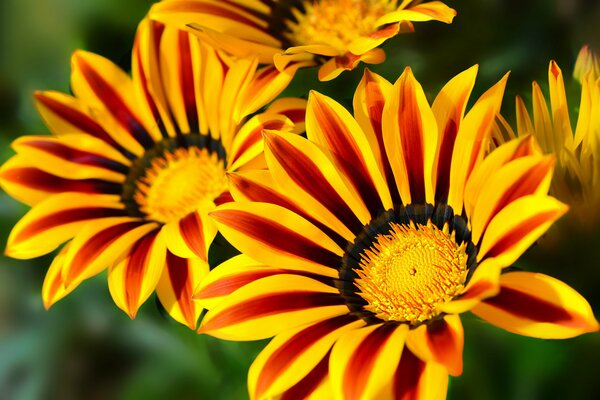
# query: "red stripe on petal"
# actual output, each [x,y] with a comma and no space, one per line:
[287,353]
[349,155]
[310,178]
[446,345]
[362,361]
[278,236]
[136,268]
[526,306]
[309,383]
[518,232]
[186,83]
[75,155]
[178,269]
[442,187]
[223,198]
[40,180]
[97,244]
[66,217]
[411,138]
[80,121]
[256,136]
[271,304]
[115,104]
[192,233]
[259,193]
[408,374]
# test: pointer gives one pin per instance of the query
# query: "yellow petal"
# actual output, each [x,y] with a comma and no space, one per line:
[537,305]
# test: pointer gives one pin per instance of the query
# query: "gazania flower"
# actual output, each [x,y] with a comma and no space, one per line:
[336,34]
[134,165]
[577,151]
[363,243]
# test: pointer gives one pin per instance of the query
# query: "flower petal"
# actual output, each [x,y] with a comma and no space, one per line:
[537,305]
[517,226]
[292,355]
[57,219]
[108,89]
[417,380]
[54,288]
[410,137]
[331,126]
[176,285]
[64,114]
[99,245]
[363,361]
[440,341]
[449,109]
[272,305]
[316,385]
[239,271]
[472,140]
[303,171]
[192,235]
[132,280]
[432,10]
[276,236]
[292,107]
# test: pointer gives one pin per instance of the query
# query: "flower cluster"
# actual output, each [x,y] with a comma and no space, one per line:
[364,234]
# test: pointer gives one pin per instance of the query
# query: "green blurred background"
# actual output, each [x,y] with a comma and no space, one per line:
[84,347]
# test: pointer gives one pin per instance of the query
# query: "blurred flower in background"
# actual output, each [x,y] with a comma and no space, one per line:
[335,33]
[83,348]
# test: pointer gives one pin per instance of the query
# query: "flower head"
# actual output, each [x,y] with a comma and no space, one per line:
[577,151]
[134,165]
[362,244]
[336,34]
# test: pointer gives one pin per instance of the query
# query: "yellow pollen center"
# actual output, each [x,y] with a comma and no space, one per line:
[336,22]
[178,182]
[407,273]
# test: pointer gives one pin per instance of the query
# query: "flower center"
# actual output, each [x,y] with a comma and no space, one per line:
[336,22]
[178,181]
[408,272]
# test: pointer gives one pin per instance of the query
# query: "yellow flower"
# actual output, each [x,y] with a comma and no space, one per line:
[362,244]
[135,164]
[336,34]
[577,177]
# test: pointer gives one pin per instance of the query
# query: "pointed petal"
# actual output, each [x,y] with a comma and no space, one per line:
[64,114]
[57,219]
[276,236]
[29,184]
[54,288]
[429,11]
[292,355]
[441,341]
[523,177]
[239,271]
[192,235]
[363,361]
[472,141]
[521,147]
[176,285]
[449,109]
[366,43]
[104,86]
[133,280]
[410,137]
[73,157]
[560,109]
[272,305]
[537,305]
[517,226]
[331,126]
[303,171]
[100,244]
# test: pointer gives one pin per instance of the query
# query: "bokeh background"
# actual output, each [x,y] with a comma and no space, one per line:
[84,347]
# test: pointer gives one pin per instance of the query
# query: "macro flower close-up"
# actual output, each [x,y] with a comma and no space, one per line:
[135,164]
[362,244]
[335,34]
